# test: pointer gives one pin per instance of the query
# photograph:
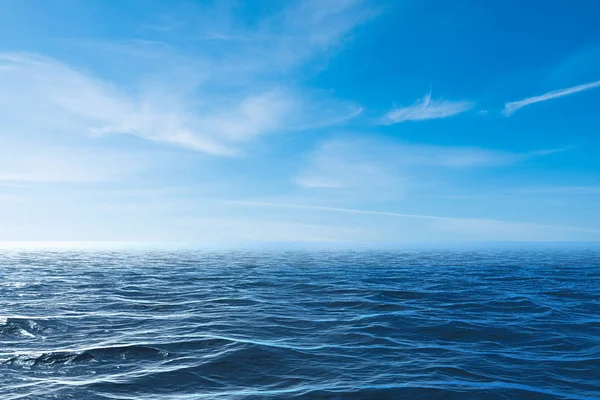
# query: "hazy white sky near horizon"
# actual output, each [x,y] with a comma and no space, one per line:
[336,122]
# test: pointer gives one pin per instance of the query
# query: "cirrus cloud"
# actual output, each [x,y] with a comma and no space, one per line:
[425,109]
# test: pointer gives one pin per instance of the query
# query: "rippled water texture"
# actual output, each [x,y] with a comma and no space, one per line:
[323,325]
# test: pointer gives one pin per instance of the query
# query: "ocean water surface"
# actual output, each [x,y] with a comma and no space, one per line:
[179,325]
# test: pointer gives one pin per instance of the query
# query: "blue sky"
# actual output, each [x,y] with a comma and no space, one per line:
[338,122]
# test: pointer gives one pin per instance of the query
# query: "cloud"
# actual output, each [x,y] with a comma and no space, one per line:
[68,100]
[426,108]
[343,164]
[513,106]
[212,99]
[369,165]
[288,38]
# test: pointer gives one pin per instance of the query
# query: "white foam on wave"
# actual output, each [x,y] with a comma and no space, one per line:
[26,333]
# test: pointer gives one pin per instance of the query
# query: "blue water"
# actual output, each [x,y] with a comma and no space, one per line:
[494,324]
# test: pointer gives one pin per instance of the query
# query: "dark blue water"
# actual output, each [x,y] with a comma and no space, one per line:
[494,324]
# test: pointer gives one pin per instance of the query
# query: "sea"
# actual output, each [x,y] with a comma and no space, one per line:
[165,324]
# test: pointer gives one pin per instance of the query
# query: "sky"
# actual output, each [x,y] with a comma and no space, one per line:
[339,122]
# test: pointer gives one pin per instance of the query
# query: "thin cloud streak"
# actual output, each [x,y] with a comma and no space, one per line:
[402,215]
[426,108]
[513,106]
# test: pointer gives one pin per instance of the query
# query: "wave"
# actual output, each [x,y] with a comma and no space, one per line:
[20,328]
[94,354]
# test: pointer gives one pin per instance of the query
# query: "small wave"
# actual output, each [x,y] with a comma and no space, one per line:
[133,351]
[94,354]
[46,359]
[20,327]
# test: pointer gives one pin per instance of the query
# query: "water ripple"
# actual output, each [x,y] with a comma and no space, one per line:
[144,325]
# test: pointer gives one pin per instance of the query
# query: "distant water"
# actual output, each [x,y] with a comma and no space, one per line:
[144,325]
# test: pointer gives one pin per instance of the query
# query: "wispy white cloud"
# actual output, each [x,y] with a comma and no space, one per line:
[426,108]
[293,34]
[513,106]
[348,164]
[212,99]
[370,165]
[67,100]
